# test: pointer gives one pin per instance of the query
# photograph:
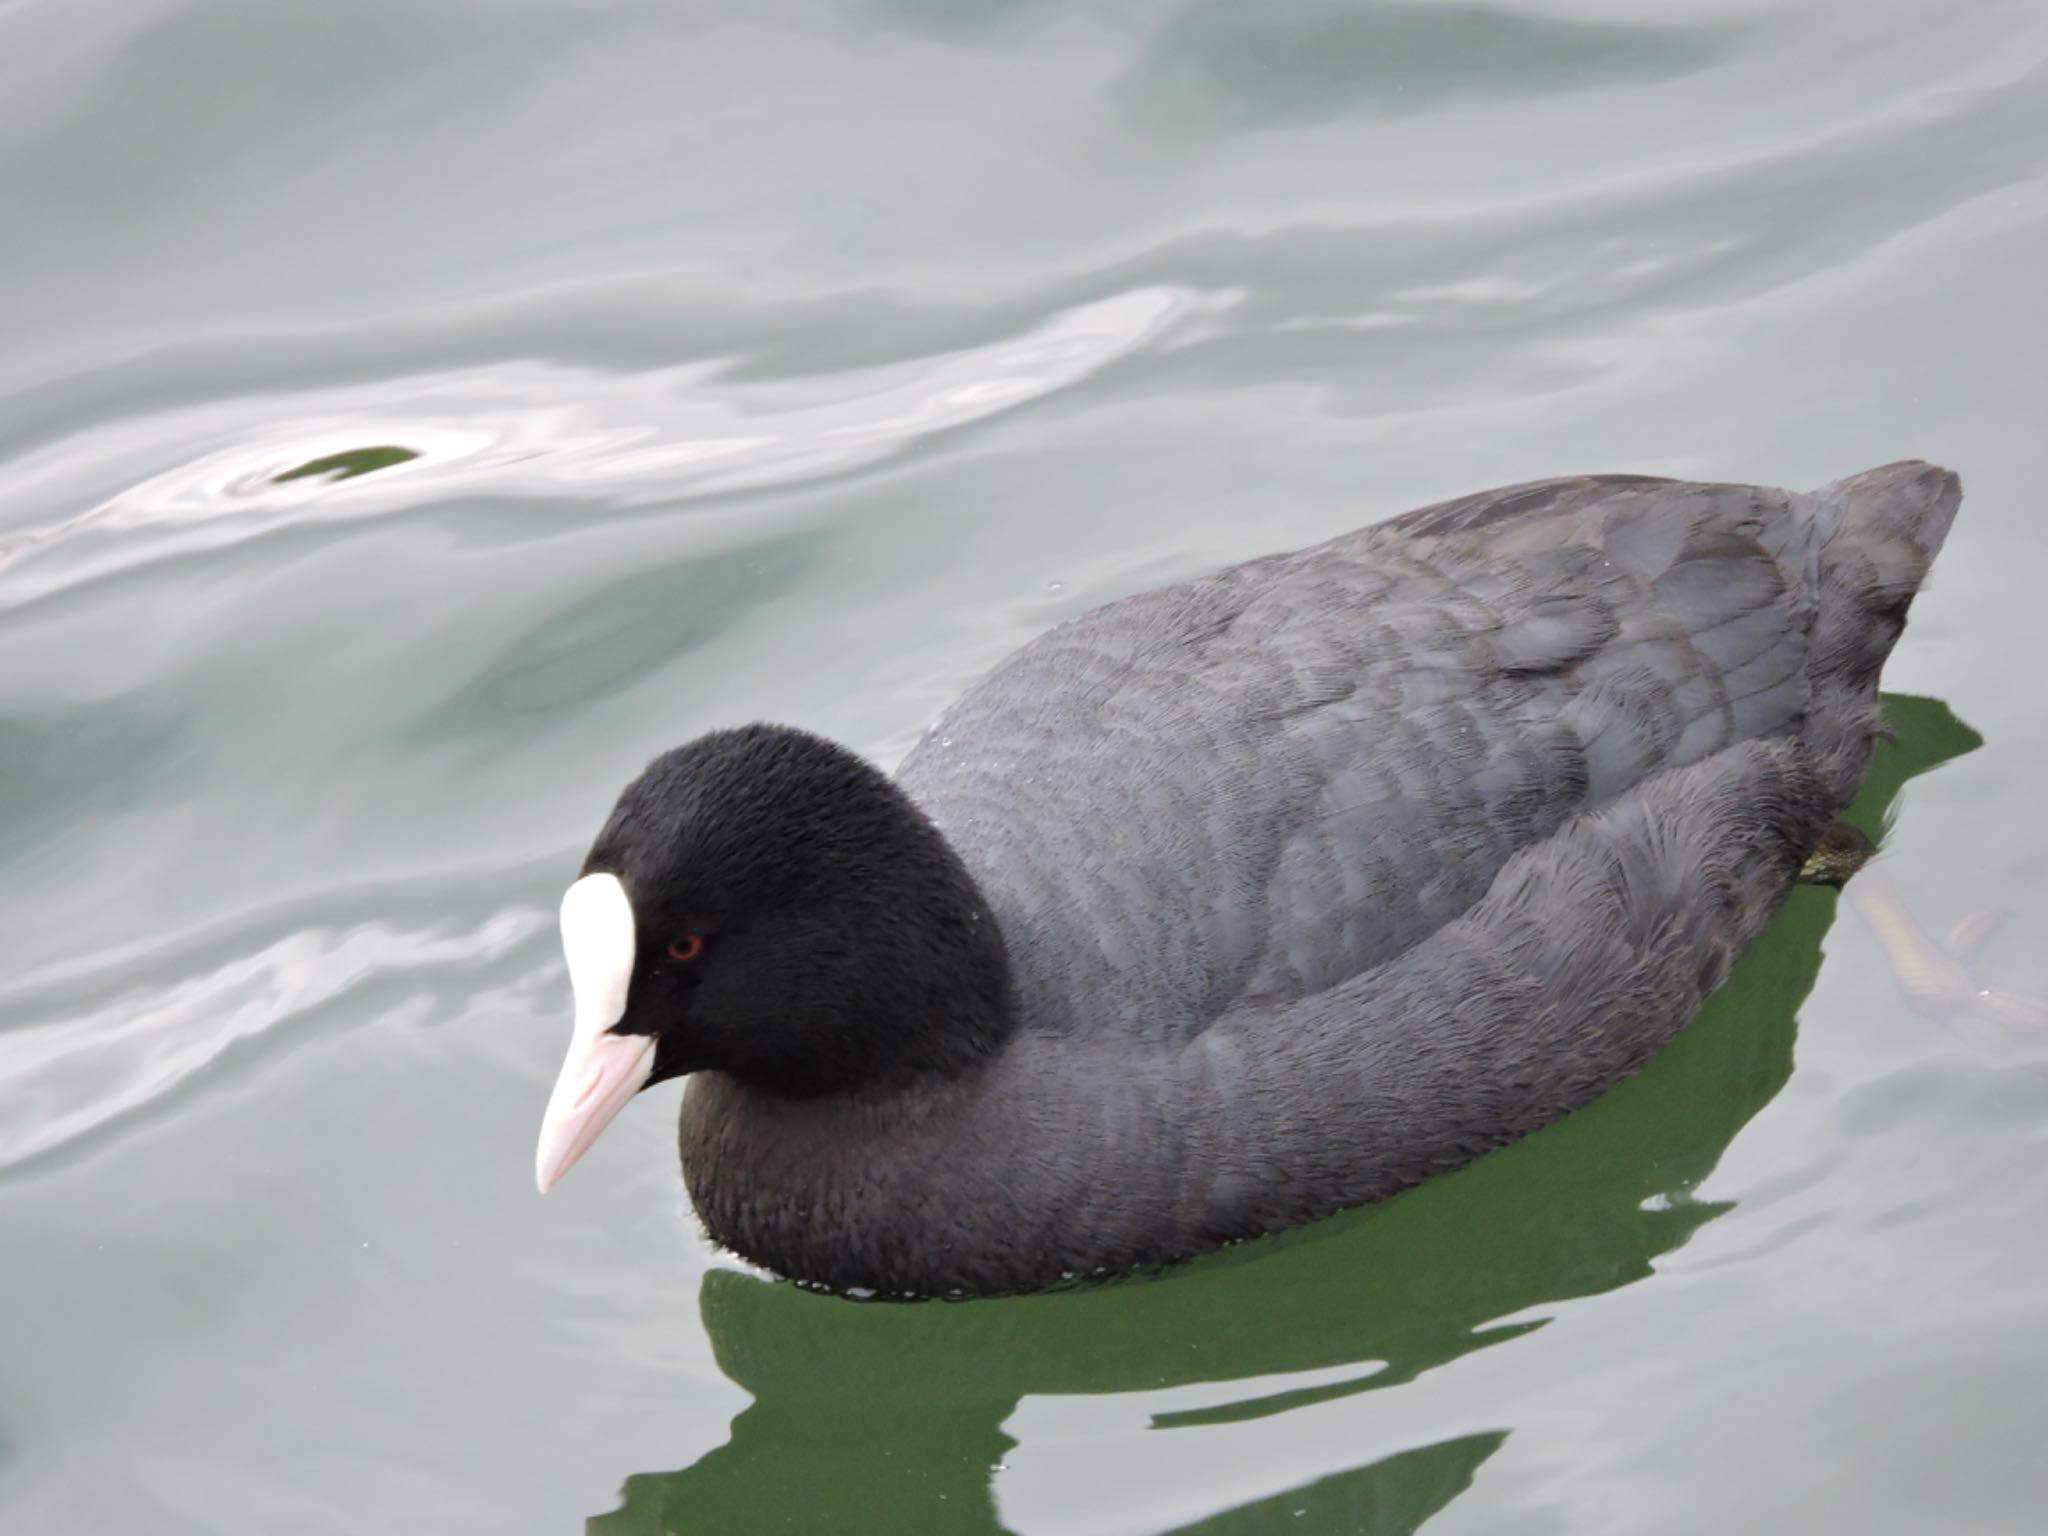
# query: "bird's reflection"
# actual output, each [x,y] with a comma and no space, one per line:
[884,1417]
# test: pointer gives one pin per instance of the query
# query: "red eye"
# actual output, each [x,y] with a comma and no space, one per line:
[686,948]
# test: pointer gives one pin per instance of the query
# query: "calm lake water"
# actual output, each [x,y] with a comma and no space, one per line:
[653,366]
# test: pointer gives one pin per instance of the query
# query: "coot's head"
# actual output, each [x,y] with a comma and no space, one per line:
[767,904]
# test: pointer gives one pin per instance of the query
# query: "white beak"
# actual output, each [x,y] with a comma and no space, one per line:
[603,1070]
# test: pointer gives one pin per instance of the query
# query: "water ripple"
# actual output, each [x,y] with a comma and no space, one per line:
[68,1077]
[540,429]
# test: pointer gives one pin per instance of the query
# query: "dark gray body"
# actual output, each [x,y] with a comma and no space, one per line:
[1331,871]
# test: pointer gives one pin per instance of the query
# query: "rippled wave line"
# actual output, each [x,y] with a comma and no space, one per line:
[536,429]
[67,1078]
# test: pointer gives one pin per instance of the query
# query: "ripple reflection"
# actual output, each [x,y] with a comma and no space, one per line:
[70,1076]
[533,428]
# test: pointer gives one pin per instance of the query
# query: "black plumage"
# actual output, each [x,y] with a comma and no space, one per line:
[1229,905]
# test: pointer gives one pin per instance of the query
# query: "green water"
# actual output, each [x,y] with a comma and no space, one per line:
[414,415]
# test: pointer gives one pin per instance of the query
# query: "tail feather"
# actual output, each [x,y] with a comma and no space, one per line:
[1891,524]
[1880,533]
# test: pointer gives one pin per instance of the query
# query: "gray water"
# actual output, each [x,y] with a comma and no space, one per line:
[652,366]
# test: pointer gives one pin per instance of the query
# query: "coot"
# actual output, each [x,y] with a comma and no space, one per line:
[1233,904]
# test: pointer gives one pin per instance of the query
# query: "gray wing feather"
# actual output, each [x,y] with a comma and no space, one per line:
[1231,796]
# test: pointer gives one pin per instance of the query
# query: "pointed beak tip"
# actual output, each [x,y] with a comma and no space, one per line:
[602,1074]
[555,1159]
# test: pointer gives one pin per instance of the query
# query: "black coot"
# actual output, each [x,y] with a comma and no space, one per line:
[1230,905]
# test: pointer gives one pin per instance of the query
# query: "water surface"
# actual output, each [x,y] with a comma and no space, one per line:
[413,416]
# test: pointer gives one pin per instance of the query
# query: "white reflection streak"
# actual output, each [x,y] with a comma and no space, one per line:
[529,428]
[1099,1441]
[66,1077]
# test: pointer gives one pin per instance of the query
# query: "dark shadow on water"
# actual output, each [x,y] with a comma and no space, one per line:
[614,634]
[347,466]
[881,1417]
[1224,66]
